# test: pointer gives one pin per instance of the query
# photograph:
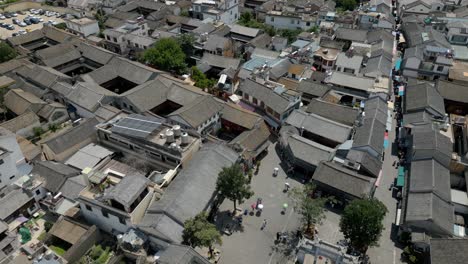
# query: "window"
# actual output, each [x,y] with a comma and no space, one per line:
[246,96]
[129,43]
[131,107]
[104,213]
[142,26]
[308,24]
[115,40]
[440,68]
[297,22]
[458,38]
[38,192]
[122,220]
[231,12]
[272,19]
[88,208]
[255,100]
[124,105]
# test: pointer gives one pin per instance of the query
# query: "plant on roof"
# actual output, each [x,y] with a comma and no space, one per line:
[201,81]
[361,222]
[232,184]
[199,232]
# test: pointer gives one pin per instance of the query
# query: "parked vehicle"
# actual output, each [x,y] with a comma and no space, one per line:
[27,21]
[34,20]
[15,34]
[11,27]
[15,21]
[14,14]
[22,24]
[4,25]
[22,32]
[8,15]
[2,17]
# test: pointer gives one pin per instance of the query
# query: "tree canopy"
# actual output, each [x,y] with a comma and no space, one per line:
[311,209]
[347,4]
[201,81]
[361,222]
[6,52]
[199,232]
[232,184]
[186,42]
[166,55]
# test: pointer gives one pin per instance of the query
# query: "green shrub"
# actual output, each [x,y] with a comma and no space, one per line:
[48,226]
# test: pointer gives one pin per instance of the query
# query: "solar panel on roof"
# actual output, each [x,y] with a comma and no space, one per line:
[136,125]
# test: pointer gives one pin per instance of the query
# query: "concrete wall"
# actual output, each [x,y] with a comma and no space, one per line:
[84,30]
[107,224]
[140,210]
[284,22]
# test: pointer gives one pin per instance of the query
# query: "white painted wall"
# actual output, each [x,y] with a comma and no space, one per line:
[85,30]
[285,22]
[107,224]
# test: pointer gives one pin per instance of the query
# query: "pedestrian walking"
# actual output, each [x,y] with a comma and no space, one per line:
[286,186]
[264,224]
[253,207]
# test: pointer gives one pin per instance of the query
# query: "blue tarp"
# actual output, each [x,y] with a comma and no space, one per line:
[398,64]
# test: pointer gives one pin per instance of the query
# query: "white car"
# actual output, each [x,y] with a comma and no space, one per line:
[2,17]
[22,32]
[41,20]
[14,14]
[32,10]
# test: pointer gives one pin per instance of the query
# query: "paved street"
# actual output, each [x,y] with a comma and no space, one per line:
[386,252]
[253,245]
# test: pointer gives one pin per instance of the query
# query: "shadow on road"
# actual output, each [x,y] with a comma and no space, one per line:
[227,224]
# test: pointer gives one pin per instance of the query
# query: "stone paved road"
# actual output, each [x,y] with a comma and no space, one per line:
[253,245]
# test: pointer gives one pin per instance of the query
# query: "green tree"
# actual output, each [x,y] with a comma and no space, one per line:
[186,42]
[6,52]
[199,232]
[290,34]
[201,81]
[311,209]
[232,184]
[166,55]
[361,222]
[347,4]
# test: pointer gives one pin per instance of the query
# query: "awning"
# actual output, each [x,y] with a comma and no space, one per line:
[398,217]
[401,90]
[401,177]
[398,64]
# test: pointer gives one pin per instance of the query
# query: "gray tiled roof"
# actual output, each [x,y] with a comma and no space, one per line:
[429,143]
[127,190]
[120,67]
[453,249]
[339,113]
[453,91]
[320,126]
[198,111]
[72,137]
[72,187]
[12,201]
[215,42]
[351,81]
[368,162]
[357,35]
[309,151]
[239,116]
[189,193]
[275,101]
[422,97]
[313,88]
[342,179]
[431,208]
[370,134]
[20,122]
[241,30]
[54,173]
[220,61]
[180,254]
[430,176]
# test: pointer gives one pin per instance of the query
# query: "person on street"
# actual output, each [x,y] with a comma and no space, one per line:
[286,186]
[264,224]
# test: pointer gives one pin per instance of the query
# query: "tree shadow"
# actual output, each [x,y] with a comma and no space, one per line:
[227,224]
[287,245]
